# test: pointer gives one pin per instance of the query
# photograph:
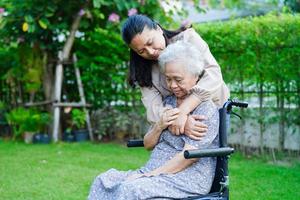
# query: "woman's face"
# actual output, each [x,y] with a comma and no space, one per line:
[149,43]
[178,79]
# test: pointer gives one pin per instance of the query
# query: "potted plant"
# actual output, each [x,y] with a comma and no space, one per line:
[16,119]
[41,120]
[78,125]
[27,122]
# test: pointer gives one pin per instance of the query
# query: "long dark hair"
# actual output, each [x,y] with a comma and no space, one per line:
[140,68]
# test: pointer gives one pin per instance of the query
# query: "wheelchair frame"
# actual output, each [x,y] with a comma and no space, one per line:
[219,189]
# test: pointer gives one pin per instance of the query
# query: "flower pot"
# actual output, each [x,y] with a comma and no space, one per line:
[68,136]
[41,138]
[28,137]
[81,135]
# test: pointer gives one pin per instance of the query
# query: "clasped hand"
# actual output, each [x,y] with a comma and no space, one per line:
[178,123]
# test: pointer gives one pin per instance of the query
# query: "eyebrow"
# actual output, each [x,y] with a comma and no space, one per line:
[174,77]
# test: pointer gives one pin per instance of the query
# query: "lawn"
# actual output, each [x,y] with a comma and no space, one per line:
[65,171]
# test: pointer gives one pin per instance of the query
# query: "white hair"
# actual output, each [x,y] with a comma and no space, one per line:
[184,52]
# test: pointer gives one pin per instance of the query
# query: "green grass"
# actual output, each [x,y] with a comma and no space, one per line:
[66,171]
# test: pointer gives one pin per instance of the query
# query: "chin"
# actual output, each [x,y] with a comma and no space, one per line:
[180,96]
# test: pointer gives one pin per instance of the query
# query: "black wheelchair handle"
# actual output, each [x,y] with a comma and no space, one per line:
[135,143]
[239,104]
[200,153]
[234,103]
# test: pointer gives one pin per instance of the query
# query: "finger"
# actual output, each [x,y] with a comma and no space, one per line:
[181,130]
[199,129]
[173,112]
[199,117]
[200,124]
[171,128]
[177,131]
[198,134]
[194,137]
[172,118]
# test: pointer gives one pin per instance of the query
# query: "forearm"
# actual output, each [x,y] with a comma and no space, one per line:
[151,138]
[176,164]
[189,104]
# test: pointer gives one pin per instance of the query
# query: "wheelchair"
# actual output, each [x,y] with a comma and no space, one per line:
[220,187]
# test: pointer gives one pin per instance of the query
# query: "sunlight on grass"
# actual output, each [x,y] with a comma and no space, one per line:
[66,171]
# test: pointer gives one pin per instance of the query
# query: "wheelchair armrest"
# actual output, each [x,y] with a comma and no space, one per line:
[200,153]
[135,143]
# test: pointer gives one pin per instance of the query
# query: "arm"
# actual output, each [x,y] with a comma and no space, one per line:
[174,165]
[152,100]
[210,86]
[152,137]
[178,163]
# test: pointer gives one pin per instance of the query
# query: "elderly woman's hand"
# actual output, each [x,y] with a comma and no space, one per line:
[168,117]
[177,127]
[194,128]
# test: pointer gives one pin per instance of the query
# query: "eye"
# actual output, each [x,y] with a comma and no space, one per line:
[168,79]
[141,51]
[179,80]
[150,42]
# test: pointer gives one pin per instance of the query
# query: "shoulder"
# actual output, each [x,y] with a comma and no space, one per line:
[185,35]
[190,36]
[207,108]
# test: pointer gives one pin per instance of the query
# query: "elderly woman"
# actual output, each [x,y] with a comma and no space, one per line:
[167,174]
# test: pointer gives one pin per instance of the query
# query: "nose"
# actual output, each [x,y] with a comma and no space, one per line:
[173,85]
[150,51]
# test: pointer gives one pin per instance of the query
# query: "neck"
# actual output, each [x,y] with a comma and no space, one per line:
[180,100]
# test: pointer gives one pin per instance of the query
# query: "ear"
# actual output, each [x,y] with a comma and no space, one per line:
[159,29]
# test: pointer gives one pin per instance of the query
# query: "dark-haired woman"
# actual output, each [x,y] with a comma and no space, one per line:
[147,39]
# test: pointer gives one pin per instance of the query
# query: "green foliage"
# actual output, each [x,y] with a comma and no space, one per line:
[102,60]
[78,118]
[27,120]
[256,50]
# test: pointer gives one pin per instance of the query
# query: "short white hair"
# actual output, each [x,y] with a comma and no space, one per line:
[184,52]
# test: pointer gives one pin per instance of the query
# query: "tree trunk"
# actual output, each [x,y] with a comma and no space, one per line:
[64,56]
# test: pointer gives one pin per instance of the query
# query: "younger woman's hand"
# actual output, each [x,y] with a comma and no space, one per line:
[168,117]
[194,128]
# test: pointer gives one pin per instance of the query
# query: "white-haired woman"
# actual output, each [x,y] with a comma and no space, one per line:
[167,174]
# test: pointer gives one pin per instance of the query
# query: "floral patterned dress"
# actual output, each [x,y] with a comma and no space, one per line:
[194,180]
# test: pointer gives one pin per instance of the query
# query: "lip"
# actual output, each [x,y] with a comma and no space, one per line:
[154,57]
[176,92]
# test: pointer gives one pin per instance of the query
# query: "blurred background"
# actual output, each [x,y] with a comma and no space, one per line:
[256,44]
[66,109]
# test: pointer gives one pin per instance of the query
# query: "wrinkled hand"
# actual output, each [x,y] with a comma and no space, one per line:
[194,128]
[177,127]
[168,117]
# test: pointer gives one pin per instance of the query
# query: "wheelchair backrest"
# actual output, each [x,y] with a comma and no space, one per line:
[222,164]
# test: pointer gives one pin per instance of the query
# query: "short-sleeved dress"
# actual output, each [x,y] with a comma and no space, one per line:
[194,180]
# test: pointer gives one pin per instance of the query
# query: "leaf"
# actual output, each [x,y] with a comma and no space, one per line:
[29,18]
[25,27]
[43,23]
[97,3]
